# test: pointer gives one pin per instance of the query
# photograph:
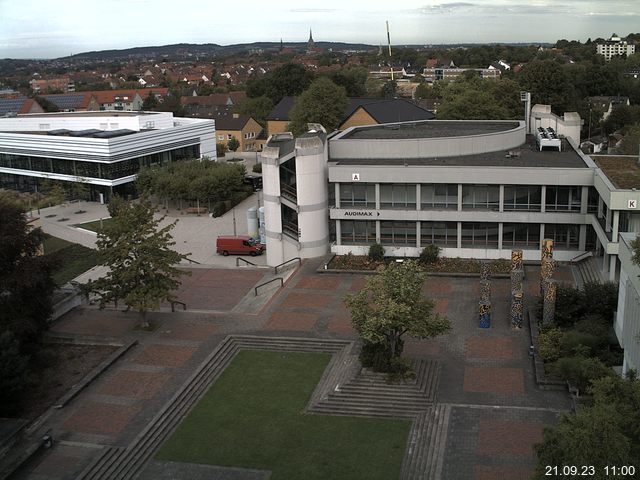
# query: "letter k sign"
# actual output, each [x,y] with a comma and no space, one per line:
[632,204]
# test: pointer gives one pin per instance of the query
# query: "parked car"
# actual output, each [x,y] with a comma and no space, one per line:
[239,245]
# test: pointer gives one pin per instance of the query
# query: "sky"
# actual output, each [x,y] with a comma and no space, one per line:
[46,29]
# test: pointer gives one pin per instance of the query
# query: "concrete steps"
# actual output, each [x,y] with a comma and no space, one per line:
[425,449]
[589,270]
[369,394]
[121,464]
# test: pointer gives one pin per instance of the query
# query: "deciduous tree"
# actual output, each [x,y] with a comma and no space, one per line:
[142,266]
[323,102]
[392,304]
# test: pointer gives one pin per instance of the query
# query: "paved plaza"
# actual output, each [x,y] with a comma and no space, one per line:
[486,378]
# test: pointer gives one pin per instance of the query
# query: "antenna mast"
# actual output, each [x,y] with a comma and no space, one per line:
[389,43]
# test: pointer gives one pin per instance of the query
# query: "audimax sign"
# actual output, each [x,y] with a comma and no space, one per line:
[361,213]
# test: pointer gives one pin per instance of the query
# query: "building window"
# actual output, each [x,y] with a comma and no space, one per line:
[564,236]
[399,196]
[221,138]
[357,195]
[439,196]
[398,233]
[229,136]
[353,232]
[592,200]
[443,234]
[522,197]
[521,235]
[563,199]
[479,235]
[480,197]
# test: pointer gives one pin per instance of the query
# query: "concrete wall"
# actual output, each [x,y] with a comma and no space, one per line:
[428,147]
[567,125]
[627,321]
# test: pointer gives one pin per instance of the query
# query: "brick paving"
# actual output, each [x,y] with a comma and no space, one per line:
[101,418]
[505,381]
[131,383]
[165,355]
[497,410]
[493,348]
[504,438]
[290,321]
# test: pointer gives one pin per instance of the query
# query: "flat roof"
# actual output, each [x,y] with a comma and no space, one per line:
[430,129]
[624,172]
[526,155]
[97,113]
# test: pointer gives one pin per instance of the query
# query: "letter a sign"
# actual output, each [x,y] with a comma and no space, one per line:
[355,177]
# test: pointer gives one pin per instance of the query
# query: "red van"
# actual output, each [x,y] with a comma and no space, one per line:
[239,245]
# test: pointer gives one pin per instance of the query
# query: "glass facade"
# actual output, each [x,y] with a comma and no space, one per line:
[399,196]
[103,170]
[398,233]
[481,197]
[361,195]
[563,236]
[439,196]
[443,234]
[522,198]
[521,235]
[563,199]
[479,235]
[354,232]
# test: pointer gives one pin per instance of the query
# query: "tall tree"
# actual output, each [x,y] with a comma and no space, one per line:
[392,304]
[26,284]
[142,266]
[288,80]
[257,108]
[549,84]
[323,102]
[233,144]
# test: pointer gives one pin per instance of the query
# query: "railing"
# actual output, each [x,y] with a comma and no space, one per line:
[239,259]
[582,256]
[255,290]
[192,261]
[173,305]
[275,270]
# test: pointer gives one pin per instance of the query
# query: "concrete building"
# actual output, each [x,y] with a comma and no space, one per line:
[102,149]
[615,46]
[477,189]
[627,321]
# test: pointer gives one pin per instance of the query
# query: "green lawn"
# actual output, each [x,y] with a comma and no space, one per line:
[252,417]
[95,225]
[72,259]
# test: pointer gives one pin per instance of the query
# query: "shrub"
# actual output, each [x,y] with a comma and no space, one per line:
[400,369]
[257,168]
[549,344]
[218,209]
[429,254]
[593,324]
[13,373]
[116,203]
[580,343]
[581,371]
[376,252]
[600,299]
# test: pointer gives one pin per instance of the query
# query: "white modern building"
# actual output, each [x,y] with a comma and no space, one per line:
[103,149]
[477,189]
[627,321]
[615,46]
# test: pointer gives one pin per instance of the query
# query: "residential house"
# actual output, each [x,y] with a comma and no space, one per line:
[244,128]
[64,84]
[74,102]
[607,104]
[359,111]
[18,105]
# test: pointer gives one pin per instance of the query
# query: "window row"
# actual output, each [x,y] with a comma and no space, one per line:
[474,197]
[109,171]
[472,235]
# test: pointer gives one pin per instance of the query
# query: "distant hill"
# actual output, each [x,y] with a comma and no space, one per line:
[207,49]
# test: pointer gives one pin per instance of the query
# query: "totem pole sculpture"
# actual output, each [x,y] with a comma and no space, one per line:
[546,263]
[484,306]
[549,304]
[517,289]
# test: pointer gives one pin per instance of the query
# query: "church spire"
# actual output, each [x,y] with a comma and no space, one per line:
[310,38]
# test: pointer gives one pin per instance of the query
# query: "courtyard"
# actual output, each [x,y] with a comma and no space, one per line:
[494,410]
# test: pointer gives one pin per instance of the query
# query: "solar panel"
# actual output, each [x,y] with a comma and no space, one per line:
[66,102]
[84,133]
[59,131]
[8,105]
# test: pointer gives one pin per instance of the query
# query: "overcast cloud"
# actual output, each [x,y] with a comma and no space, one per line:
[44,29]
